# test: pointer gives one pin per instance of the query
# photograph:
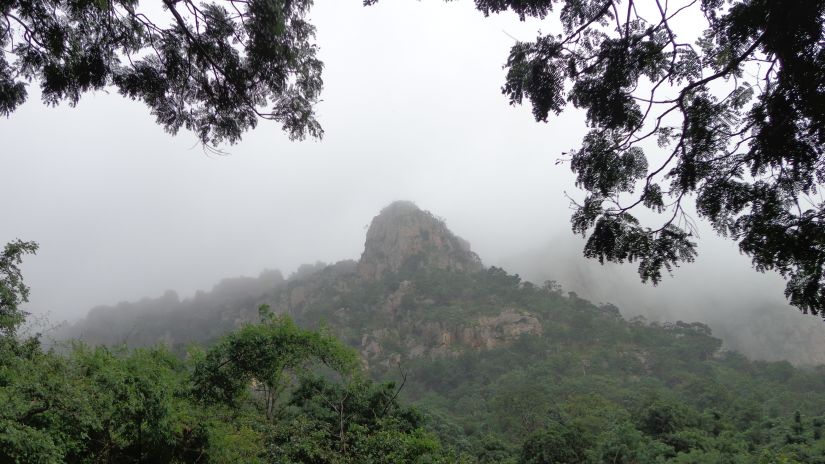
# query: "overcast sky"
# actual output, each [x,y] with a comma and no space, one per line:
[412,109]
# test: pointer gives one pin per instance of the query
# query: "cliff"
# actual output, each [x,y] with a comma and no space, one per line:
[404,238]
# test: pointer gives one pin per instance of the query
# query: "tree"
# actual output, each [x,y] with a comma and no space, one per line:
[557,444]
[738,116]
[147,405]
[263,356]
[353,422]
[216,70]
[13,292]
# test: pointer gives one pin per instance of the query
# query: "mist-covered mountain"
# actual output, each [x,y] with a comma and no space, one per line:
[402,240]
[503,366]
[744,308]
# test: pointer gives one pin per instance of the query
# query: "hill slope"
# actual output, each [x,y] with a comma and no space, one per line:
[495,360]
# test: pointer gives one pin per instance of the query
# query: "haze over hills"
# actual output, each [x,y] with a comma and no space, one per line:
[498,363]
[746,311]
[403,239]
[364,301]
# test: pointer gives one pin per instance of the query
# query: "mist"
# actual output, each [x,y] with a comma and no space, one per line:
[412,110]
[743,307]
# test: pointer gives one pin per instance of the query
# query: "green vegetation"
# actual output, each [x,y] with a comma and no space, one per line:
[589,387]
[214,69]
[720,100]
[268,392]
[13,292]
[257,396]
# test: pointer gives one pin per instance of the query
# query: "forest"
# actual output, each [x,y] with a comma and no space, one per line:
[590,387]
[692,118]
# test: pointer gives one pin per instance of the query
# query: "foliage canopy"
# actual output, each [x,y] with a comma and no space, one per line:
[13,292]
[738,115]
[94,405]
[591,388]
[215,69]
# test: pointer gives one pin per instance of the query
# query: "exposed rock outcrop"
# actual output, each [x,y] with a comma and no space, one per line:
[405,238]
[485,332]
[435,339]
[385,323]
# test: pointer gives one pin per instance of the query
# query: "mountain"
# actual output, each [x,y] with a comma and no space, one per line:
[387,297]
[404,238]
[744,309]
[500,364]
[384,298]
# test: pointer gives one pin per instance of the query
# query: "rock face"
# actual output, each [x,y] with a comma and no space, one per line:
[384,322]
[405,238]
[485,332]
[434,339]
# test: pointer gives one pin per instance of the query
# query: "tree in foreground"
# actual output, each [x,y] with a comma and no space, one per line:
[13,291]
[267,393]
[737,112]
[212,68]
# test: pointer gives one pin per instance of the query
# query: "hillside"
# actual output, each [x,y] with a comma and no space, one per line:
[502,365]
[744,309]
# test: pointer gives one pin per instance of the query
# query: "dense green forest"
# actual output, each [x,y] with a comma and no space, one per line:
[591,387]
[269,392]
[586,386]
[415,353]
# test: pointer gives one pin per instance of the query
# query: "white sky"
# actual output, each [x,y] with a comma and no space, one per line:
[412,110]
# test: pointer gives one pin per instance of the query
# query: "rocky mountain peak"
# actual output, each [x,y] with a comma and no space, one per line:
[405,237]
